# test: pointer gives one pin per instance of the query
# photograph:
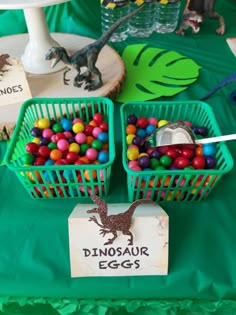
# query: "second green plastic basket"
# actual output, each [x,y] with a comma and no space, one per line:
[175,185]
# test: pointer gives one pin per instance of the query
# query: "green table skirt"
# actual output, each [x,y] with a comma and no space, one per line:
[34,256]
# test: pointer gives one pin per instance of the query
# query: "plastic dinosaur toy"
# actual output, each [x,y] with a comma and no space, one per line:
[86,57]
[116,222]
[190,20]
[3,63]
[202,8]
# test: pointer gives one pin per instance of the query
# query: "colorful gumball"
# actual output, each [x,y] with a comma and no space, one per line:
[74,147]
[91,154]
[71,157]
[63,144]
[96,131]
[98,118]
[78,127]
[43,123]
[32,147]
[66,124]
[90,174]
[103,136]
[130,129]
[55,154]
[198,162]
[80,138]
[209,149]
[103,157]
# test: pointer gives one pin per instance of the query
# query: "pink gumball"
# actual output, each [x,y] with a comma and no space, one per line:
[96,131]
[62,144]
[77,120]
[53,138]
[91,154]
[136,168]
[67,134]
[47,133]
[80,138]
[102,177]
[152,121]
[133,163]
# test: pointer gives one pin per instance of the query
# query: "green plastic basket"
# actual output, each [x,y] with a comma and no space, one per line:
[54,185]
[167,185]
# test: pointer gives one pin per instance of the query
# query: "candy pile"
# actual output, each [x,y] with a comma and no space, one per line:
[67,142]
[141,156]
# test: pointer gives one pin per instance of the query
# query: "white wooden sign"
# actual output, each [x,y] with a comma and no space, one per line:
[96,250]
[14,86]
[231,41]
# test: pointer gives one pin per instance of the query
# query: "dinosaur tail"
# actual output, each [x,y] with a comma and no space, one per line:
[136,203]
[106,36]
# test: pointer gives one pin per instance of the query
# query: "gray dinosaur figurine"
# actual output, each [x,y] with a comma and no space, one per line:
[86,57]
[201,8]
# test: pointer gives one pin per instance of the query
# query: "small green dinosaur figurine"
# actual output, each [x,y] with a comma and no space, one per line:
[86,57]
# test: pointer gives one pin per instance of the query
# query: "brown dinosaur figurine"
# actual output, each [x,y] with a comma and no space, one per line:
[3,62]
[201,8]
[117,222]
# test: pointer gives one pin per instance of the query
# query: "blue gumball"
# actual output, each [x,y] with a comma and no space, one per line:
[209,149]
[66,124]
[68,175]
[103,157]
[150,129]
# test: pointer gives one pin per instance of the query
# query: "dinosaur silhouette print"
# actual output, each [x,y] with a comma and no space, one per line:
[117,222]
[3,62]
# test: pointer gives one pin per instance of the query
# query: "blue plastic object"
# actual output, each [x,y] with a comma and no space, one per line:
[228,80]
[233,97]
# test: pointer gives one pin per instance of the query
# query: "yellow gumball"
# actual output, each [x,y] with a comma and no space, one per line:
[162,123]
[129,138]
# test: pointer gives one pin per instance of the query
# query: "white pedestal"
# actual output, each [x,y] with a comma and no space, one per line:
[33,57]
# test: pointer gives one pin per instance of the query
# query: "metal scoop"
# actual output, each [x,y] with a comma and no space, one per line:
[180,133]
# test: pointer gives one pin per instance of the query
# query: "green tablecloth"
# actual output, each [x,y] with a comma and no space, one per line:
[34,256]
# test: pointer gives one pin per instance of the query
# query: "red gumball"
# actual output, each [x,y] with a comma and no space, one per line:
[198,162]
[39,160]
[104,126]
[78,162]
[182,162]
[32,147]
[163,149]
[44,151]
[142,122]
[187,153]
[59,136]
[88,130]
[98,118]
[172,153]
[60,162]
[72,157]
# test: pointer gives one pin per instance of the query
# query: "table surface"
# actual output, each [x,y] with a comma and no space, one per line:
[19,4]
[34,256]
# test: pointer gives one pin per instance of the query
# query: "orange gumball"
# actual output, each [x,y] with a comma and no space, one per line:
[89,140]
[131,129]
[34,176]
[198,151]
[93,123]
[89,175]
[84,160]
[56,155]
